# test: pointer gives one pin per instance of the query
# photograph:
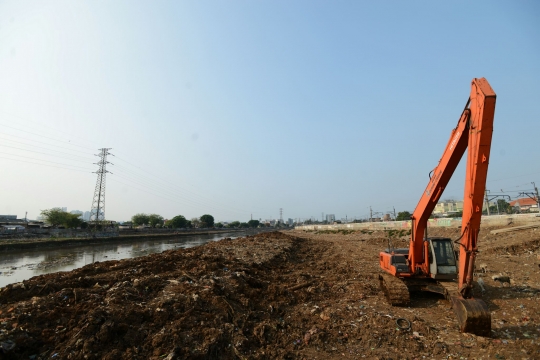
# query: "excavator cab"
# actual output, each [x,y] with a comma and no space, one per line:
[442,259]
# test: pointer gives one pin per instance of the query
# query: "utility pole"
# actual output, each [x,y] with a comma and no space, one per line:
[487,201]
[370,214]
[98,203]
[537,197]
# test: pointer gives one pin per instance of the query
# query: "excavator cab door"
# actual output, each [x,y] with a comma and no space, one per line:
[442,259]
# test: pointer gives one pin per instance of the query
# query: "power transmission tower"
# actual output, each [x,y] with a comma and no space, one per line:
[98,203]
[281,215]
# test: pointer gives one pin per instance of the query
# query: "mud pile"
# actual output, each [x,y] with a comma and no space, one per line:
[269,296]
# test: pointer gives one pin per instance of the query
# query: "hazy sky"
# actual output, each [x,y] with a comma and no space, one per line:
[235,108]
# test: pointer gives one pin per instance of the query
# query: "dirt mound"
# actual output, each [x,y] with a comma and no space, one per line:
[269,296]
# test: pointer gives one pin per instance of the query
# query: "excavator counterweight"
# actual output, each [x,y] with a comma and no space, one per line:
[430,263]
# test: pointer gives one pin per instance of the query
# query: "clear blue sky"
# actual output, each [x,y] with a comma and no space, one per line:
[235,108]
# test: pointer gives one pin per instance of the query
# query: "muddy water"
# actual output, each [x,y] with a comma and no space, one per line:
[17,266]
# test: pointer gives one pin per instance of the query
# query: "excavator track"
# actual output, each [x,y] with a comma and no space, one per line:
[394,289]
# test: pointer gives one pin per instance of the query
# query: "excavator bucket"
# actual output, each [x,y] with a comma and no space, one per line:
[473,316]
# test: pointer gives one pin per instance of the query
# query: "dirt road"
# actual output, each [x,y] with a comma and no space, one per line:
[291,295]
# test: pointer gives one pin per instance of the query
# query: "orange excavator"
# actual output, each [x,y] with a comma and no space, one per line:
[431,263]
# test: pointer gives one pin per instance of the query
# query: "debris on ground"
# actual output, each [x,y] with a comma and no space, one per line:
[289,295]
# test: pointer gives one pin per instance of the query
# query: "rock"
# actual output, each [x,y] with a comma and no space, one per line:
[501,278]
[483,267]
[481,284]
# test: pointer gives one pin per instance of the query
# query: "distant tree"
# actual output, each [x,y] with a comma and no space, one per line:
[154,220]
[244,225]
[54,216]
[218,225]
[140,219]
[196,223]
[456,214]
[73,221]
[253,223]
[504,206]
[234,224]
[403,215]
[189,225]
[207,221]
[177,222]
[58,217]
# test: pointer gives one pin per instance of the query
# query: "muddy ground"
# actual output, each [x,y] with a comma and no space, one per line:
[292,295]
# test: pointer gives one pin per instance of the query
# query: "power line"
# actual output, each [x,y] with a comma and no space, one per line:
[198,202]
[48,127]
[41,152]
[177,197]
[190,200]
[513,177]
[47,137]
[40,142]
[30,162]
[180,188]
[177,188]
[28,157]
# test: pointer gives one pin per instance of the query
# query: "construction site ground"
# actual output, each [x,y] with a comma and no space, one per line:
[288,295]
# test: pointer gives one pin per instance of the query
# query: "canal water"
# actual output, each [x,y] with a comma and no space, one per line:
[16,266]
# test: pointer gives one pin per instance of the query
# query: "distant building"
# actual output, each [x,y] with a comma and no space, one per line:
[12,227]
[86,216]
[445,207]
[290,222]
[8,217]
[524,204]
[77,212]
[330,218]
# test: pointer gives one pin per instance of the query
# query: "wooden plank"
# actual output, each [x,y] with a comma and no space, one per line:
[515,228]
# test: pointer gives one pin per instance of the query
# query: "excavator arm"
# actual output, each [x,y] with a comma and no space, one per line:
[439,178]
[480,130]
[473,132]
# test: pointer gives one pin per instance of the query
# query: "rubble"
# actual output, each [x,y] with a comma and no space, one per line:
[292,295]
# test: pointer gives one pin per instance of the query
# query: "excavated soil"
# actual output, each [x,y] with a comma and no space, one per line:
[293,295]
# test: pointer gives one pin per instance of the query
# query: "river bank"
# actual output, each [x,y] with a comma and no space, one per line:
[34,243]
